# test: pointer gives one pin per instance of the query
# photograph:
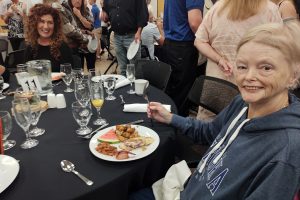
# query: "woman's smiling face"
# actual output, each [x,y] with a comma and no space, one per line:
[45,27]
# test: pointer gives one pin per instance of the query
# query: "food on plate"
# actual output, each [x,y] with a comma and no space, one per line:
[109,137]
[125,132]
[106,149]
[137,142]
[122,155]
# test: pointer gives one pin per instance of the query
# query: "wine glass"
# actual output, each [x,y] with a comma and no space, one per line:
[66,68]
[1,88]
[82,92]
[130,73]
[77,74]
[6,122]
[36,110]
[110,85]
[82,114]
[22,113]
[94,75]
[97,99]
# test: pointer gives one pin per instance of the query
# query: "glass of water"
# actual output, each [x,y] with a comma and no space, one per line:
[110,85]
[6,122]
[67,77]
[1,88]
[130,73]
[82,92]
[82,114]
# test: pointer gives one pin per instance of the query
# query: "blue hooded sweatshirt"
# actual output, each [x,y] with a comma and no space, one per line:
[257,158]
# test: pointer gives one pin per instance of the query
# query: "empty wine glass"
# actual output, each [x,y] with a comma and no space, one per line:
[110,85]
[82,92]
[97,99]
[22,114]
[36,110]
[130,73]
[82,114]
[66,69]
[1,88]
[6,122]
[77,74]
[94,75]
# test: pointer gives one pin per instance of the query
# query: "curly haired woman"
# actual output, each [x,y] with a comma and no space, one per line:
[43,33]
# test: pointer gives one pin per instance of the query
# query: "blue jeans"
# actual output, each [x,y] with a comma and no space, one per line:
[122,43]
[143,194]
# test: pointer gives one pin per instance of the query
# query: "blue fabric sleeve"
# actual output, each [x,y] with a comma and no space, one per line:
[194,4]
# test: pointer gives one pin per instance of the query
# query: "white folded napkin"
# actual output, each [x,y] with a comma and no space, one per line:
[169,187]
[140,107]
[122,83]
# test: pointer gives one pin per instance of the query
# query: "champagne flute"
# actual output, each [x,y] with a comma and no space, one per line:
[97,99]
[22,114]
[6,122]
[130,73]
[66,68]
[1,88]
[82,92]
[110,85]
[82,114]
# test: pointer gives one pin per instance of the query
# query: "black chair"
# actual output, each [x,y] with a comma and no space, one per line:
[3,49]
[156,72]
[14,58]
[212,93]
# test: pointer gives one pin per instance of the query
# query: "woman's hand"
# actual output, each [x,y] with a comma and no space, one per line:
[225,66]
[156,111]
[77,12]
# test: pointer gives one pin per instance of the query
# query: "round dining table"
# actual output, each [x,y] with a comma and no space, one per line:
[40,176]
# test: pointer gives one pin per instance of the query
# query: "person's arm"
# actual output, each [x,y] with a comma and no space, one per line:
[161,39]
[86,23]
[276,180]
[142,18]
[287,10]
[4,73]
[195,19]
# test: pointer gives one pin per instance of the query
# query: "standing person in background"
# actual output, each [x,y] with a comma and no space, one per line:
[97,24]
[287,9]
[181,21]
[127,20]
[12,12]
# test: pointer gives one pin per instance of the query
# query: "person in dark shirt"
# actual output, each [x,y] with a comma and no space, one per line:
[127,19]
[4,73]
[44,37]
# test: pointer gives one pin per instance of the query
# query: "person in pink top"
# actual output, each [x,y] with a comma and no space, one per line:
[222,28]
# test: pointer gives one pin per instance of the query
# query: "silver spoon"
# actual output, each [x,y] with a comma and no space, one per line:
[67,166]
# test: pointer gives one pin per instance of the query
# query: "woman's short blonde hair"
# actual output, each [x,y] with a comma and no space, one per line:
[284,37]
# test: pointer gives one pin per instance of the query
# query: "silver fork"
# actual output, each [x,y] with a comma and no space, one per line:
[122,99]
[147,99]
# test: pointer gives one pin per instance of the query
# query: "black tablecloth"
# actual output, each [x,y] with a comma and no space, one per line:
[40,176]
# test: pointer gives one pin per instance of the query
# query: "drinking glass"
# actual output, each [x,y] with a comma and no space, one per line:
[66,68]
[5,120]
[94,75]
[77,74]
[82,91]
[21,68]
[130,73]
[22,113]
[1,88]
[110,85]
[97,99]
[82,114]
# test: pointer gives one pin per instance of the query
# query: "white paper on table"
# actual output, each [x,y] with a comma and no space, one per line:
[140,107]
[122,83]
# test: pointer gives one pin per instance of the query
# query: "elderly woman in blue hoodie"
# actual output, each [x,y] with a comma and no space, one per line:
[255,141]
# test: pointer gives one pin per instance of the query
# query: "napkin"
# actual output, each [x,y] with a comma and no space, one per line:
[140,107]
[169,187]
[122,83]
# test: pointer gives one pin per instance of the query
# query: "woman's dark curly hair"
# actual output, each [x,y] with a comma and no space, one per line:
[31,32]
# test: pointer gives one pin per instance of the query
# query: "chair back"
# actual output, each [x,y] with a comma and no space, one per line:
[14,58]
[212,93]
[156,72]
[3,48]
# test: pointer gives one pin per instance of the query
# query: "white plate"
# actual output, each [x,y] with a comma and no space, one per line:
[105,76]
[9,169]
[133,49]
[5,86]
[142,130]
[93,44]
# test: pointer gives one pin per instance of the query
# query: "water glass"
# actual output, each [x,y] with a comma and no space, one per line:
[97,99]
[110,85]
[22,114]
[82,91]
[66,68]
[21,68]
[94,75]
[6,122]
[82,115]
[130,73]
[1,88]
[77,74]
